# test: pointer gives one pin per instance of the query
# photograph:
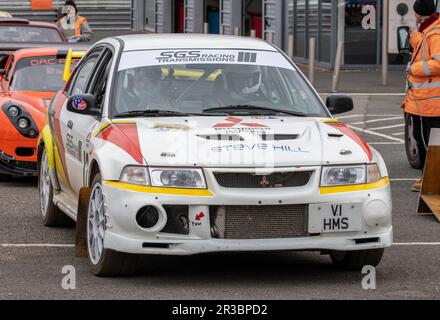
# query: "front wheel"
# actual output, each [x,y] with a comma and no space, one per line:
[356,260]
[51,214]
[104,262]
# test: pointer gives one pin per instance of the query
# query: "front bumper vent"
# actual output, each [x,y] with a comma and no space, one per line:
[258,222]
[274,180]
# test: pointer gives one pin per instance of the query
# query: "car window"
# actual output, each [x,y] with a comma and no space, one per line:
[199,80]
[42,73]
[11,33]
[82,75]
[99,82]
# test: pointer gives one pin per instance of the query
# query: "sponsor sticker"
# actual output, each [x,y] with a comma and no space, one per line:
[136,59]
[79,103]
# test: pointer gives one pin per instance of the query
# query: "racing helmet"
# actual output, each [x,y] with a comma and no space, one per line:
[152,73]
[242,79]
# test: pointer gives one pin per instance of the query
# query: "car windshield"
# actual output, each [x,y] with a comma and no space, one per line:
[212,82]
[43,74]
[28,34]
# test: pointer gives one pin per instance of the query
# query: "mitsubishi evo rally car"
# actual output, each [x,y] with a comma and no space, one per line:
[187,144]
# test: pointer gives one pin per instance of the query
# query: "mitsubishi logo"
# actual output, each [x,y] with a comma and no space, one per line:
[233,121]
[264,183]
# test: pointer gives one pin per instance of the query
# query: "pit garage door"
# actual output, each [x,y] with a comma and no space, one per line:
[102,14]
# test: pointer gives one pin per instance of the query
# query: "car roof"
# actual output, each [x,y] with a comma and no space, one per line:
[25,22]
[38,52]
[191,41]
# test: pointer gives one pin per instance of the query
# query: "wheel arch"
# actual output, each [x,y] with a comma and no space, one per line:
[45,142]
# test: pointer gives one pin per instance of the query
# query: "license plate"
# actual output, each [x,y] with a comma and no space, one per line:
[335,217]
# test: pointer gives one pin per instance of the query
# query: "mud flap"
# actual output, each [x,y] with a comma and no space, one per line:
[81,223]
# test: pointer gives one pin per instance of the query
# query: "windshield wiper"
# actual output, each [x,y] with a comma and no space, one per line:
[234,109]
[152,113]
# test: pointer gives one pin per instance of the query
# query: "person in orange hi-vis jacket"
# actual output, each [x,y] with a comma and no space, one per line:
[74,27]
[422,100]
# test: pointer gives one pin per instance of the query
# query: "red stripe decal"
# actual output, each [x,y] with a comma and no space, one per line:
[126,137]
[350,133]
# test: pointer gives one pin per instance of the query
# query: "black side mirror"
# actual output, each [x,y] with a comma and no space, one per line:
[2,72]
[83,104]
[339,103]
[403,40]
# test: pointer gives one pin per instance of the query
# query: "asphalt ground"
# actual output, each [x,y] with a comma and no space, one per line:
[409,270]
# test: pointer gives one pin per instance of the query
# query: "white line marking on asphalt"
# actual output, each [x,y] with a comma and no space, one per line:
[367,94]
[377,134]
[36,245]
[398,134]
[351,116]
[389,127]
[416,243]
[51,245]
[385,143]
[369,115]
[377,120]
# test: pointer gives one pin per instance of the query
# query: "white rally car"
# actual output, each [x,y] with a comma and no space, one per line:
[187,144]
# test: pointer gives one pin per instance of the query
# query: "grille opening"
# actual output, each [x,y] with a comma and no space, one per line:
[279,137]
[258,222]
[24,152]
[177,220]
[155,245]
[366,240]
[274,180]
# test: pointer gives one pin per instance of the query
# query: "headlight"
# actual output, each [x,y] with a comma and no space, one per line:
[135,175]
[13,111]
[346,175]
[23,123]
[177,178]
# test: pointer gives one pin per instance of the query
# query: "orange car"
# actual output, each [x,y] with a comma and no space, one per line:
[27,85]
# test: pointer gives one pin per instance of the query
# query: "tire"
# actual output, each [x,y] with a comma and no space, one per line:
[104,262]
[51,214]
[414,155]
[356,260]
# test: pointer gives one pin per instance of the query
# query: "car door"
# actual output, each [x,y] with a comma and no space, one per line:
[74,125]
[97,86]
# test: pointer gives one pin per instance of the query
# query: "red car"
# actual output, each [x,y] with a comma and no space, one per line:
[21,33]
[27,84]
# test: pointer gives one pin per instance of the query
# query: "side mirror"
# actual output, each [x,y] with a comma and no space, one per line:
[339,103]
[83,104]
[403,40]
[2,72]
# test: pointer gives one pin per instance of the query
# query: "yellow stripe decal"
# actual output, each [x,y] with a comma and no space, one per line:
[102,128]
[330,121]
[156,190]
[123,122]
[357,187]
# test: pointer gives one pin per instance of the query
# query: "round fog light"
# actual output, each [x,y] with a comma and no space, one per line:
[377,213]
[23,123]
[13,111]
[147,217]
[32,133]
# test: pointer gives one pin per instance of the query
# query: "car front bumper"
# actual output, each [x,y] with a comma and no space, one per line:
[123,234]
[12,167]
